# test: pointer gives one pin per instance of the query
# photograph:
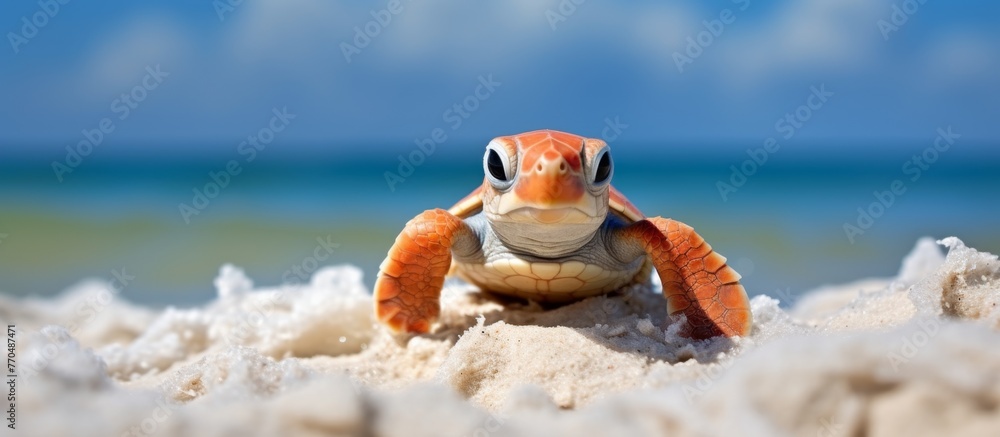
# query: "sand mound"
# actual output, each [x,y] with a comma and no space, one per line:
[914,355]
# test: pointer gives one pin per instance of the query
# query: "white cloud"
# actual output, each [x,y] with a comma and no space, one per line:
[461,36]
[959,58]
[291,49]
[283,30]
[661,31]
[121,57]
[832,36]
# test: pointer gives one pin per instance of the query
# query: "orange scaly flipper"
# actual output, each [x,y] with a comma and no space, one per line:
[697,282]
[410,279]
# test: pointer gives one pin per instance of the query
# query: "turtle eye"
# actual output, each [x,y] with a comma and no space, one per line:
[494,165]
[497,165]
[604,167]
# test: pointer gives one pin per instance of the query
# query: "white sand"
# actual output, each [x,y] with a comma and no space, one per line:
[915,355]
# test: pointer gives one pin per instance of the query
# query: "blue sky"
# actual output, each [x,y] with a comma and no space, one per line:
[571,71]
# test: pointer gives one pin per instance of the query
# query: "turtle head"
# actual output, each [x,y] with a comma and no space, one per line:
[546,188]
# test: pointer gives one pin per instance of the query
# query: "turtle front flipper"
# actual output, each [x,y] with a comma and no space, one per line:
[696,280]
[410,279]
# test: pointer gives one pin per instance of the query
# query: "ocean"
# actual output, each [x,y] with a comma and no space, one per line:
[788,224]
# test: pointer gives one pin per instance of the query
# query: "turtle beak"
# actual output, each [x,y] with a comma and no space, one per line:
[550,182]
[550,192]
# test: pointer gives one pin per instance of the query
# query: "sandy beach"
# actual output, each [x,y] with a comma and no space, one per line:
[916,354]
[196,199]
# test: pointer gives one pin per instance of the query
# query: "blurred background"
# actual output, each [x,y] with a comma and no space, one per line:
[165,138]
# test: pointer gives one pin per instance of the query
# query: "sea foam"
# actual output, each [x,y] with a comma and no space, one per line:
[912,355]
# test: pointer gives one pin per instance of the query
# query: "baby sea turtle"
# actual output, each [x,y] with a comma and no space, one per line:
[547,225]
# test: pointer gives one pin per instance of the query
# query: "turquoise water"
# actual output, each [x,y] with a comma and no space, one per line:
[782,229]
